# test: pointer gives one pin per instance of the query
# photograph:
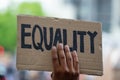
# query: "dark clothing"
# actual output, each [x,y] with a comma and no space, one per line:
[2,77]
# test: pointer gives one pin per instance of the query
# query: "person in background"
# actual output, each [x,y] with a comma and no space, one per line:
[2,67]
[2,72]
[65,63]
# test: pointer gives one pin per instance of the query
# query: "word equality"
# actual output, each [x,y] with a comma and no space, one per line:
[57,36]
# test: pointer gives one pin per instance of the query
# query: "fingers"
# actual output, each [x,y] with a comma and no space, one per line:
[61,55]
[69,59]
[64,60]
[55,60]
[65,63]
[75,61]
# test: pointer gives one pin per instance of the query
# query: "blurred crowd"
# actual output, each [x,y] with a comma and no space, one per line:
[8,69]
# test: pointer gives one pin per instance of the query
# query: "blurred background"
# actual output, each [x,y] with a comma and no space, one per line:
[105,11]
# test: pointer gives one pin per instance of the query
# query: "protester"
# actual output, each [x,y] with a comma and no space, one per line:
[2,72]
[65,63]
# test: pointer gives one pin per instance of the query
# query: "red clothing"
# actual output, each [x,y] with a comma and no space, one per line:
[1,50]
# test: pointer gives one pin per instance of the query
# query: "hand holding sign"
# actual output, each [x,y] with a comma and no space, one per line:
[37,35]
[65,63]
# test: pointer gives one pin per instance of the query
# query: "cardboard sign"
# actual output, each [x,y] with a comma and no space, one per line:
[37,35]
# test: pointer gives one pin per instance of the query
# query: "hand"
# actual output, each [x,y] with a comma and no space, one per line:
[65,63]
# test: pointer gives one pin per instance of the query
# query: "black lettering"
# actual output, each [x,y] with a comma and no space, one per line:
[74,41]
[64,37]
[82,33]
[48,46]
[38,45]
[23,34]
[92,36]
[58,37]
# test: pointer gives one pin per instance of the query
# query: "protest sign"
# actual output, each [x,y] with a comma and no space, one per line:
[37,35]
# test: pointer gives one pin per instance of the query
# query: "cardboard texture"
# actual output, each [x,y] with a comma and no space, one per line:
[36,36]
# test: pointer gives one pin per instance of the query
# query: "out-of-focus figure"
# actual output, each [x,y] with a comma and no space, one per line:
[2,72]
[2,67]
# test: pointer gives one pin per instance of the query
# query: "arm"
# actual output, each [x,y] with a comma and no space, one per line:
[65,63]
